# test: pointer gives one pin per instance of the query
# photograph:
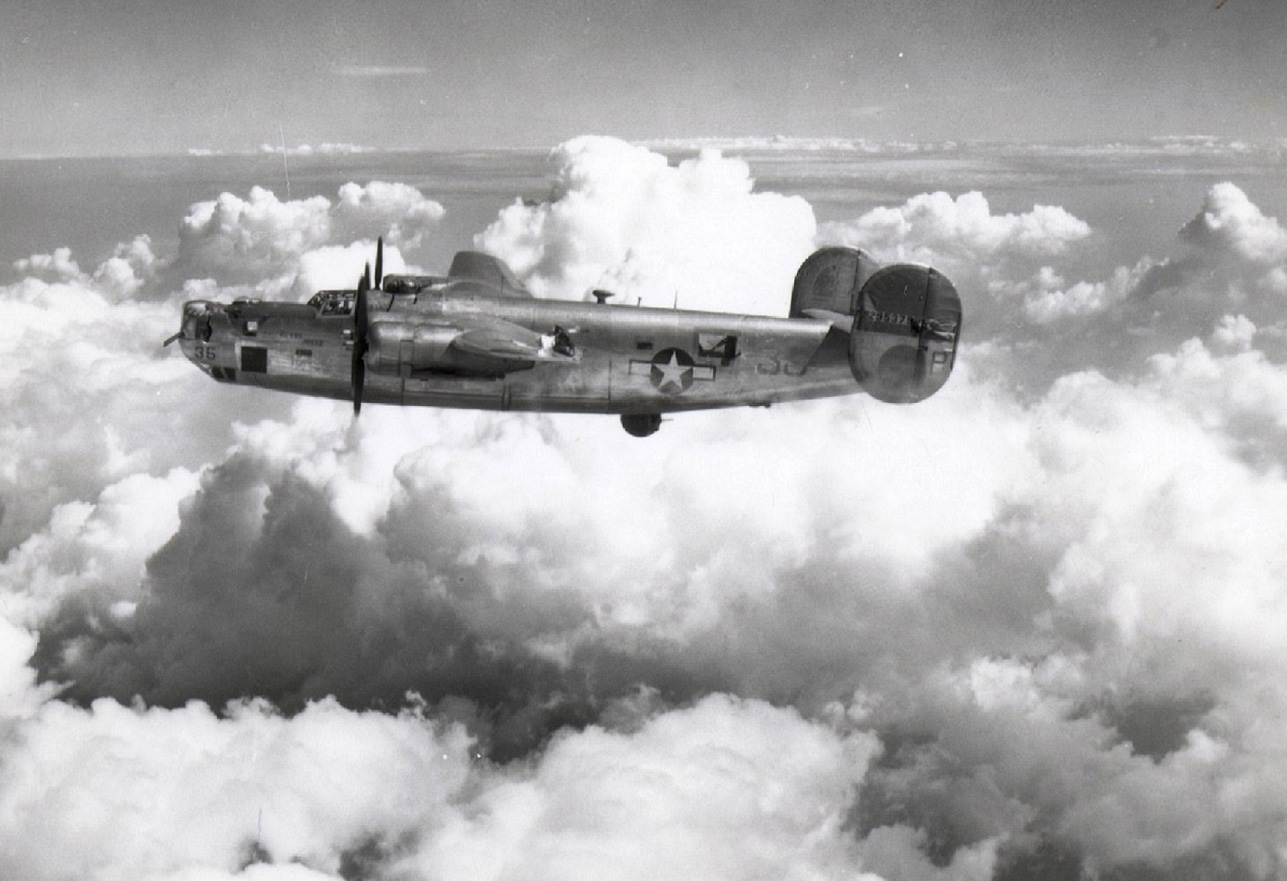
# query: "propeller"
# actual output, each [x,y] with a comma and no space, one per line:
[361,323]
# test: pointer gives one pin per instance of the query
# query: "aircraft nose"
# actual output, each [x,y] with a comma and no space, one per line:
[194,325]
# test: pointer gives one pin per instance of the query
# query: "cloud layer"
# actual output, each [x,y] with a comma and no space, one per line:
[1027,627]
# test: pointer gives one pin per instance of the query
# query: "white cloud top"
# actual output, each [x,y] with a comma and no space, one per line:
[936,226]
[262,242]
[621,218]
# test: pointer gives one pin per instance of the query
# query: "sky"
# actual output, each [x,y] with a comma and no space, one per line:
[149,77]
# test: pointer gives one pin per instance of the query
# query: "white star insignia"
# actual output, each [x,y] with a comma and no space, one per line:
[673,373]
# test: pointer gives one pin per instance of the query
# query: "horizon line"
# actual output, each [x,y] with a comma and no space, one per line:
[735,142]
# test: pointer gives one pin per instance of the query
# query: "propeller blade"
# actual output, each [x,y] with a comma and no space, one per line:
[360,317]
[359,380]
[171,339]
[379,261]
[360,325]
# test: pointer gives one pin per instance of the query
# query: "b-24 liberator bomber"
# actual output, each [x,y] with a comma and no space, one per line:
[475,338]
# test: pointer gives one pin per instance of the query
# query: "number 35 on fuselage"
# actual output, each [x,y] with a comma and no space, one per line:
[475,338]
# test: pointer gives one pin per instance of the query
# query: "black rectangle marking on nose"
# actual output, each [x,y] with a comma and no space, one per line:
[254,359]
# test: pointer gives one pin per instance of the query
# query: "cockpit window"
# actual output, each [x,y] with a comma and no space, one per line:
[332,302]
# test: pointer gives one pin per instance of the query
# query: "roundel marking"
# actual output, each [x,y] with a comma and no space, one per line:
[672,371]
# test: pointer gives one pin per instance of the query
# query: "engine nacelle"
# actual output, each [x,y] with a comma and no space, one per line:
[907,320]
[398,348]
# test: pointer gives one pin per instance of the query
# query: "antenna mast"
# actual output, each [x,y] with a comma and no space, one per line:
[285,164]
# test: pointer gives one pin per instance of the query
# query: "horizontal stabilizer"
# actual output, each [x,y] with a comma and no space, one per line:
[836,319]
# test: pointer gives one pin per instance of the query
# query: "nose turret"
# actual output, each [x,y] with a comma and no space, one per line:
[195,331]
[196,320]
[190,324]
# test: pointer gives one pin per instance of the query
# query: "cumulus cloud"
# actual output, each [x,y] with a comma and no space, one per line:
[1023,294]
[133,265]
[724,789]
[243,239]
[1230,260]
[1230,221]
[934,227]
[339,267]
[622,218]
[80,342]
[1050,300]
[1009,632]
[217,793]
[261,241]
[1235,332]
[1000,262]
[74,352]
[58,266]
[94,551]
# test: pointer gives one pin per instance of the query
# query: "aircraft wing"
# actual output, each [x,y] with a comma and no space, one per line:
[497,338]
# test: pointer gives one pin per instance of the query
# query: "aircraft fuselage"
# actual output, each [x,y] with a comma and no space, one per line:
[632,359]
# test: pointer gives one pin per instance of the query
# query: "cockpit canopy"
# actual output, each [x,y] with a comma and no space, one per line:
[333,302]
